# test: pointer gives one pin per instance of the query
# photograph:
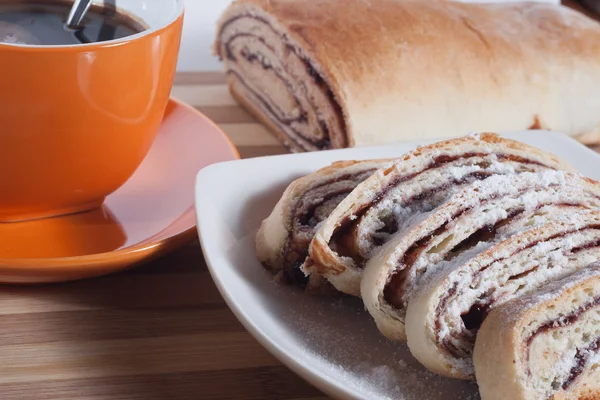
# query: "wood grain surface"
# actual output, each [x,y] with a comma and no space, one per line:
[160,331]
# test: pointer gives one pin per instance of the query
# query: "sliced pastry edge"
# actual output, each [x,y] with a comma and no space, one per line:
[545,344]
[345,272]
[446,311]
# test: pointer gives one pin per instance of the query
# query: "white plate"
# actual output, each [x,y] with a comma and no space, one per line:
[332,343]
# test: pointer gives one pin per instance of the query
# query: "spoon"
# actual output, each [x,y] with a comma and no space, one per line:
[78,10]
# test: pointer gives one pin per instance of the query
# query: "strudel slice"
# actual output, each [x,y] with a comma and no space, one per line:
[394,196]
[444,315]
[479,216]
[325,74]
[545,345]
[283,237]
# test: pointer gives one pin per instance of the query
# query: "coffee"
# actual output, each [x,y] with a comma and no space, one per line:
[43,23]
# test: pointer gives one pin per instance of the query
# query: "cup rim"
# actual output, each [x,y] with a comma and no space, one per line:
[107,43]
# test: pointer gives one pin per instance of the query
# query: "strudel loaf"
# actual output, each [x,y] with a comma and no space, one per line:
[327,74]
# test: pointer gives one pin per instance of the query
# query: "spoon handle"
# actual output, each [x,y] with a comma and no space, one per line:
[80,7]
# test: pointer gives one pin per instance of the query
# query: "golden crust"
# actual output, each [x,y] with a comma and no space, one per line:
[505,66]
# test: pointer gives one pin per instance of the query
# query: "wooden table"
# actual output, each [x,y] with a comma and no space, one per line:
[160,331]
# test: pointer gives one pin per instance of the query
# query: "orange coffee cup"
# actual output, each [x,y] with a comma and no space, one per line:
[76,121]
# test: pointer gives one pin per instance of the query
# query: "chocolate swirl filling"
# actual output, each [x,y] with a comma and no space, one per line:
[526,267]
[298,100]
[313,207]
[582,354]
[477,249]
[345,237]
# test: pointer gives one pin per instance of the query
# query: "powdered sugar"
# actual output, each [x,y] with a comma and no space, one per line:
[461,259]
[340,339]
[508,184]
[522,272]
[474,135]
[543,247]
[433,257]
[554,353]
[428,190]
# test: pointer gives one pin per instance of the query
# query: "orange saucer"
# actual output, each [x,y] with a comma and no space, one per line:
[153,213]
